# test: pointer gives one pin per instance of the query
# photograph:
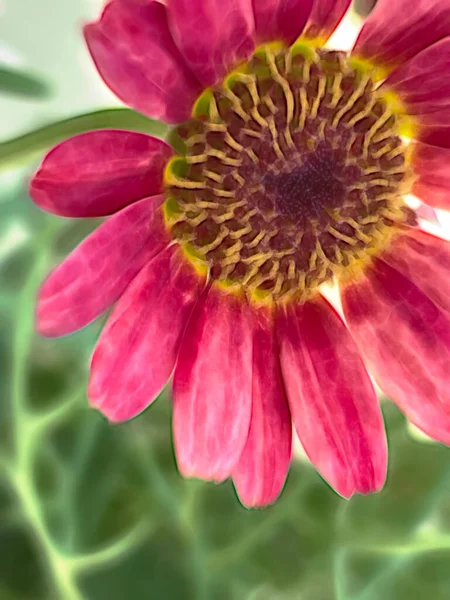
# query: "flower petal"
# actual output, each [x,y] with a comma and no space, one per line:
[424,259]
[137,350]
[434,129]
[94,276]
[213,36]
[263,466]
[333,403]
[280,19]
[98,173]
[395,30]
[423,82]
[426,213]
[431,164]
[405,338]
[213,387]
[135,54]
[434,195]
[325,17]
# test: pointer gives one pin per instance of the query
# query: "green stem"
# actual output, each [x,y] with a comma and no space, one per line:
[26,147]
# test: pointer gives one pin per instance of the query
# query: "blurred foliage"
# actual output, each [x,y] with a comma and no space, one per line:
[98,512]
[19,83]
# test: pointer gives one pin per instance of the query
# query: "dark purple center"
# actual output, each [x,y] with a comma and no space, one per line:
[307,190]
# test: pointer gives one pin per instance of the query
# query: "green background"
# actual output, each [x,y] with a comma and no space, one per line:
[99,512]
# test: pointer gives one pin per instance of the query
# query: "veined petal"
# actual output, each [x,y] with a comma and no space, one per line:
[434,195]
[333,403]
[280,19]
[213,36]
[263,466]
[213,387]
[94,276]
[424,259]
[434,128]
[405,338]
[325,17]
[98,173]
[137,350]
[431,164]
[423,82]
[396,30]
[135,54]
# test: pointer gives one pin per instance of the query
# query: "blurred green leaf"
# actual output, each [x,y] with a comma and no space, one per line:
[20,83]
[30,145]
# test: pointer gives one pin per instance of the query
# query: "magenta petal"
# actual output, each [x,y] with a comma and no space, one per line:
[423,82]
[434,195]
[425,260]
[280,19]
[434,129]
[137,350]
[396,30]
[135,54]
[333,403]
[325,17]
[213,387]
[431,164]
[93,277]
[263,466]
[405,338]
[98,173]
[213,36]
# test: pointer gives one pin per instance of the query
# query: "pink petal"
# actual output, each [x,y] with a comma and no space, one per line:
[396,30]
[434,195]
[137,350]
[431,164]
[135,54]
[405,338]
[94,276]
[434,128]
[325,17]
[424,259]
[280,19]
[423,82]
[333,403]
[213,36]
[98,173]
[213,387]
[263,466]
[427,213]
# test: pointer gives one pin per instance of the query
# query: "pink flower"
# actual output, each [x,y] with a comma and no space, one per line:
[291,173]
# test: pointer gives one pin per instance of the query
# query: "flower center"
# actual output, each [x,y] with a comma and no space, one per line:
[292,172]
[308,190]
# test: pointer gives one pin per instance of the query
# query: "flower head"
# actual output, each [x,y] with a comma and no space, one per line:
[287,171]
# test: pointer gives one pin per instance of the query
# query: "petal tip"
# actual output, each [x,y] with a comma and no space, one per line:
[206,472]
[112,416]
[257,501]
